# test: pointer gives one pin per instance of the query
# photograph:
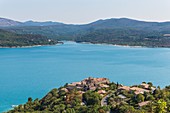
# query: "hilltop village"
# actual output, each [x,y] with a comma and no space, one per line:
[99,95]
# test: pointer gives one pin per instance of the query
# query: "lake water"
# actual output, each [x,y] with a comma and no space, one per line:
[32,72]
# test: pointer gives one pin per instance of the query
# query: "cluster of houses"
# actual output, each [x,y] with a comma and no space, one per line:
[101,83]
[137,90]
[89,84]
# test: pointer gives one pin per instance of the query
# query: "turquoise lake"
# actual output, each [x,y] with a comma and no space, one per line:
[33,72]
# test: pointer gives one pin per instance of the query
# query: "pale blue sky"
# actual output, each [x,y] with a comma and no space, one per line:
[84,11]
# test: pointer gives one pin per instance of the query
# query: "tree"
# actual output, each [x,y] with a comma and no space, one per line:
[151,107]
[156,93]
[104,109]
[161,106]
[70,110]
[140,98]
[150,97]
[91,98]
[113,86]
[29,99]
[126,109]
[150,84]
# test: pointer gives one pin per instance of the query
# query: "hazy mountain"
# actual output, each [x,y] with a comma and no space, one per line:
[100,24]
[129,23]
[48,23]
[55,29]
[7,22]
[61,28]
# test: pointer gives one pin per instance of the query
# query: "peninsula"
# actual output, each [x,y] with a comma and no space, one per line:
[99,95]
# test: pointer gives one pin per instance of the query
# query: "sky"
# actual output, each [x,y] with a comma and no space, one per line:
[84,11]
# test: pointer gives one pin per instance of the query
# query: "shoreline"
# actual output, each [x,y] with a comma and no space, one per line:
[128,46]
[1,47]
[107,44]
[116,45]
[22,46]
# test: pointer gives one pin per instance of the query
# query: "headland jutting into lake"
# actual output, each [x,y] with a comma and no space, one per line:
[99,95]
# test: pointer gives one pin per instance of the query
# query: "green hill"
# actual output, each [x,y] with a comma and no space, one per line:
[130,37]
[98,95]
[10,39]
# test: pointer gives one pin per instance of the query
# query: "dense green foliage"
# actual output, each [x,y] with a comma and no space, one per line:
[73,101]
[9,39]
[129,37]
[58,101]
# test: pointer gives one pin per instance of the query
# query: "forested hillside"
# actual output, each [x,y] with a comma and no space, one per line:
[129,37]
[9,39]
[121,31]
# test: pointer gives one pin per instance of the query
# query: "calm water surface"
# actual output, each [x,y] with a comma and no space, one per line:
[32,72]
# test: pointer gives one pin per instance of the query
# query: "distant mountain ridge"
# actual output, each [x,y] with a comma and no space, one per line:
[47,23]
[106,23]
[8,22]
[129,23]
